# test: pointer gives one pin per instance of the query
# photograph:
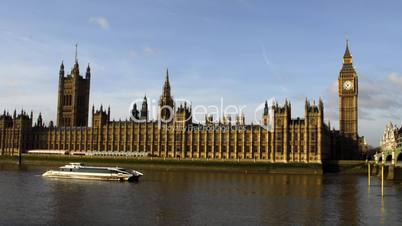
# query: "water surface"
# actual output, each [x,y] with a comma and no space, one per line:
[196,197]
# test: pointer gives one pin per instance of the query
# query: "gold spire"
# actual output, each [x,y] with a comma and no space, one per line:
[347,57]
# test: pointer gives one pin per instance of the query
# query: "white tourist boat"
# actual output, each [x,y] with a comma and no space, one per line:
[79,171]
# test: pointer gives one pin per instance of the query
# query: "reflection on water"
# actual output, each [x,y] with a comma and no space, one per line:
[197,198]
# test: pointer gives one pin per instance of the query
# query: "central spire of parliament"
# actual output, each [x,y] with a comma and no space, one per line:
[166,102]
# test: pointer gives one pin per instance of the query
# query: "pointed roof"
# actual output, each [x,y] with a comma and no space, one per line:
[166,85]
[347,60]
[76,68]
[266,110]
[167,76]
[347,52]
[76,52]
[61,71]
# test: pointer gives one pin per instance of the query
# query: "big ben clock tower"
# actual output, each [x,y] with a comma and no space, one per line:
[348,92]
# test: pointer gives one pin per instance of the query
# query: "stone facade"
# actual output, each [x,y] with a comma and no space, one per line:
[390,137]
[348,103]
[399,138]
[73,97]
[292,140]
[174,134]
[15,132]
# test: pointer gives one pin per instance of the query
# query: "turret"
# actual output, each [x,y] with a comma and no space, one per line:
[144,109]
[183,115]
[266,110]
[39,122]
[281,123]
[108,113]
[284,111]
[306,106]
[240,119]
[134,113]
[314,113]
[100,117]
[166,103]
[265,116]
[88,73]
[61,72]
[166,85]
[6,120]
[321,109]
[227,119]
[209,119]
[22,120]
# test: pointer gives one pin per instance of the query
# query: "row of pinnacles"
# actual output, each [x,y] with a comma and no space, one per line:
[389,139]
[301,136]
[390,151]
[285,133]
[15,130]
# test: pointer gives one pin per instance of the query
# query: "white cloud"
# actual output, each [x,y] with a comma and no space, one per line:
[150,51]
[395,79]
[146,51]
[378,103]
[334,88]
[102,22]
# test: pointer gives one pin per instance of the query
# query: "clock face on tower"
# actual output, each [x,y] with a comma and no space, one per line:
[348,85]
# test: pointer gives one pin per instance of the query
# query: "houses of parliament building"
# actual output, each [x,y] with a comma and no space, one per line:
[173,134]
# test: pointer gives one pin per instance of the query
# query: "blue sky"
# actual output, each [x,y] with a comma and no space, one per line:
[243,51]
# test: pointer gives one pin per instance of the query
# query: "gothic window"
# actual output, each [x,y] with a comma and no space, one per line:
[313,136]
[279,136]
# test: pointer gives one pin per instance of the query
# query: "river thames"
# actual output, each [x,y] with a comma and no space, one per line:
[196,197]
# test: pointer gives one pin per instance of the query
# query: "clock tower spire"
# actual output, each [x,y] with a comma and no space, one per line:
[348,93]
[347,57]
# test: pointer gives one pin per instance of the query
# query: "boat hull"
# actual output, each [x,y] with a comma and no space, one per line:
[89,176]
